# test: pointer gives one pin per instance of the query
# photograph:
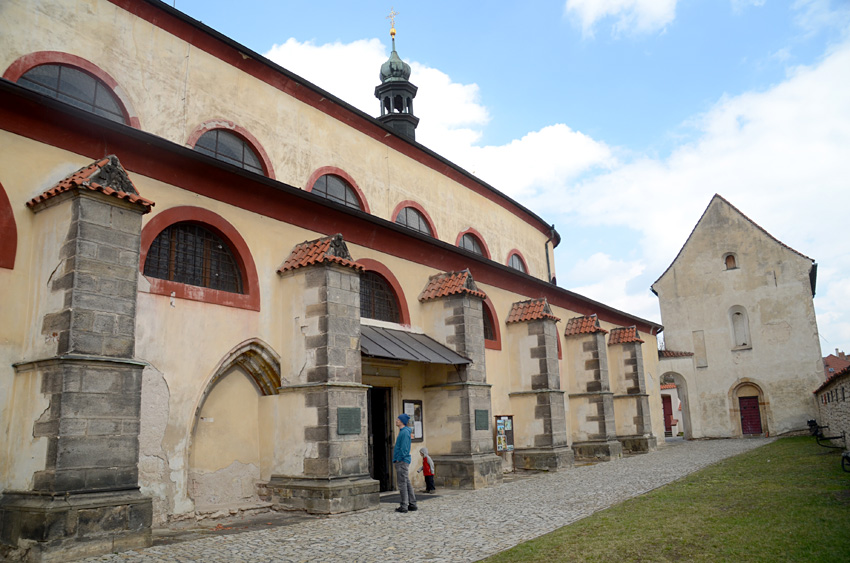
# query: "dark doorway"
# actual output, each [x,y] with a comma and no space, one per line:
[750,415]
[380,436]
[667,404]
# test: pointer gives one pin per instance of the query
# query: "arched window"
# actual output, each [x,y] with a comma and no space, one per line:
[336,189]
[377,299]
[731,261]
[223,145]
[76,87]
[191,254]
[413,219]
[740,327]
[471,243]
[517,263]
[492,334]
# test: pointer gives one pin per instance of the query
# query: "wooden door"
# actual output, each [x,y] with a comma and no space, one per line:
[750,415]
[667,404]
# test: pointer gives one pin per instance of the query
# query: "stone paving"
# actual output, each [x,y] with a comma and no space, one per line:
[461,526]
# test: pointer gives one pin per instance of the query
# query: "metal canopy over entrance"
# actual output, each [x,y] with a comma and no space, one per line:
[387,343]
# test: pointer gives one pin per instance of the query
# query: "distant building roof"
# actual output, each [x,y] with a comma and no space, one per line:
[833,364]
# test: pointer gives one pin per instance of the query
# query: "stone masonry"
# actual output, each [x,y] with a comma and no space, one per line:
[471,463]
[635,387]
[550,451]
[86,500]
[598,441]
[336,472]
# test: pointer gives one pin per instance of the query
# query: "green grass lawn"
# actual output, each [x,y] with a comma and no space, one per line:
[786,501]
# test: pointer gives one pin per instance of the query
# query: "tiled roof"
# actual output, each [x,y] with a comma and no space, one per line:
[843,373]
[105,175]
[531,310]
[319,251]
[668,386]
[836,363]
[450,283]
[587,324]
[624,335]
[674,354]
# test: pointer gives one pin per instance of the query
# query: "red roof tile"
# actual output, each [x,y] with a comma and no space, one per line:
[587,324]
[668,386]
[531,310]
[674,354]
[450,283]
[105,175]
[319,251]
[836,364]
[624,335]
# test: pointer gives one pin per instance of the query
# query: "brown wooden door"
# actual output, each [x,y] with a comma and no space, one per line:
[750,415]
[667,404]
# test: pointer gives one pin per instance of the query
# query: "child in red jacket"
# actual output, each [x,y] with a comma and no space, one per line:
[427,469]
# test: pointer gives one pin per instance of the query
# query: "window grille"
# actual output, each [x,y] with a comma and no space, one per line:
[336,189]
[191,254]
[470,242]
[75,87]
[516,263]
[413,219]
[377,299]
[489,330]
[227,147]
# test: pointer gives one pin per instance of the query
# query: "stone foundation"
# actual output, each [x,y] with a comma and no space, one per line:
[638,444]
[323,496]
[38,527]
[467,472]
[546,459]
[598,451]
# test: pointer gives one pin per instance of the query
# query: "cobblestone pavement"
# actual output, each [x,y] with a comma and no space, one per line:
[463,526]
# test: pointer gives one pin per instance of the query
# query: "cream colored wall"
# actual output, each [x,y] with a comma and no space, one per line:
[174,87]
[29,168]
[772,283]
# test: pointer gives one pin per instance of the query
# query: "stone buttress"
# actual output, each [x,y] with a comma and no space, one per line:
[470,462]
[594,432]
[631,398]
[85,500]
[550,450]
[335,474]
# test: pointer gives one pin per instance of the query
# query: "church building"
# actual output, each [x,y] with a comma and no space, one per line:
[741,338]
[221,284]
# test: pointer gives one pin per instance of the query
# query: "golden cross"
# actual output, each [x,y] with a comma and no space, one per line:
[391,17]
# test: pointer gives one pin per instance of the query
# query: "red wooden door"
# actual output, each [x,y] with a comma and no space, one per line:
[750,415]
[667,404]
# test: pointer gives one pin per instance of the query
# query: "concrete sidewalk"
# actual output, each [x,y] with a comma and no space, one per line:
[452,525]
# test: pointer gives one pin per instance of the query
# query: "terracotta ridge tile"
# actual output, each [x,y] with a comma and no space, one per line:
[587,324]
[445,284]
[530,310]
[331,249]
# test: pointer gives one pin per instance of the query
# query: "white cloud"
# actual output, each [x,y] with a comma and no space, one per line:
[607,280]
[631,16]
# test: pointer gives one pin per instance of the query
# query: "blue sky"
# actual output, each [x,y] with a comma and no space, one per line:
[617,120]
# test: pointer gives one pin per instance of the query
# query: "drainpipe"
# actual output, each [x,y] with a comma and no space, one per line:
[555,239]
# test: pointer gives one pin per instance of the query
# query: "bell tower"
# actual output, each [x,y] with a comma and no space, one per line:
[396,93]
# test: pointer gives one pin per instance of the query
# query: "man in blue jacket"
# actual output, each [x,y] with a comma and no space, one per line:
[401,461]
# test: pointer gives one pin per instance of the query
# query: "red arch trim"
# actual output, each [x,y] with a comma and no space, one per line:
[420,209]
[8,232]
[364,205]
[239,131]
[496,343]
[375,266]
[521,257]
[251,284]
[39,58]
[477,235]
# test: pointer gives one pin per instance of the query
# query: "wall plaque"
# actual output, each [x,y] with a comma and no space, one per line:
[482,419]
[348,420]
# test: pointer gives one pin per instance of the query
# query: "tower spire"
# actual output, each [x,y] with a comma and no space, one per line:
[395,92]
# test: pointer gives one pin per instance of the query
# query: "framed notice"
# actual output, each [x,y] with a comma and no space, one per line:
[413,409]
[504,433]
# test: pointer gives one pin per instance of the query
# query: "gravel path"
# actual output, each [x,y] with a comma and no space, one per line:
[464,526]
